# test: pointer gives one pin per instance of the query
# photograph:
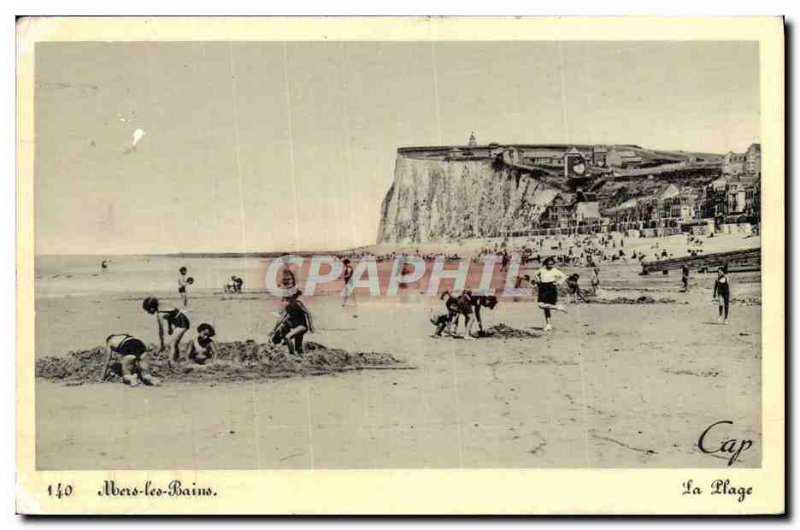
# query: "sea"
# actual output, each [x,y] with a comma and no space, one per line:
[56,276]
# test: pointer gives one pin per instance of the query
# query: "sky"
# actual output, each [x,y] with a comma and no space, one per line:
[273,146]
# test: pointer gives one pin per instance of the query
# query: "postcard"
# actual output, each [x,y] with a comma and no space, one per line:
[400,266]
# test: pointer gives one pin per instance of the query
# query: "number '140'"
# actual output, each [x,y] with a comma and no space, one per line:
[59,490]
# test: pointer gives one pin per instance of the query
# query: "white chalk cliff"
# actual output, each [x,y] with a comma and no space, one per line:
[447,200]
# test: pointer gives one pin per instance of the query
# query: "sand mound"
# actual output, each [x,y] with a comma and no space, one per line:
[625,300]
[503,331]
[237,361]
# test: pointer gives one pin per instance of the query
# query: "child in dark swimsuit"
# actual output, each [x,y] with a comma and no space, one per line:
[132,363]
[479,301]
[443,320]
[465,309]
[203,347]
[294,323]
[177,324]
[722,293]
[574,287]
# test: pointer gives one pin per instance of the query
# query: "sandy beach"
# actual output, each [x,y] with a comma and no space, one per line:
[614,385]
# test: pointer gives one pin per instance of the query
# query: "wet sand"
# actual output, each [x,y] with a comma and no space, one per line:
[617,385]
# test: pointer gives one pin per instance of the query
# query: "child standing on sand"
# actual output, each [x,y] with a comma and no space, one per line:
[183,282]
[685,277]
[722,293]
[177,324]
[595,280]
[133,364]
[203,347]
[548,278]
[347,291]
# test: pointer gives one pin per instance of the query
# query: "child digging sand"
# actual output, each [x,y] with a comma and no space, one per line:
[443,320]
[133,365]
[202,348]
[294,323]
[481,301]
[177,325]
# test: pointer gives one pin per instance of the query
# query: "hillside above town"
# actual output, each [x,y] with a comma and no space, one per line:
[450,193]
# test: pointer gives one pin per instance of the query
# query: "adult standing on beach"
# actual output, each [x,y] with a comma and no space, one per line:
[685,277]
[548,278]
[722,294]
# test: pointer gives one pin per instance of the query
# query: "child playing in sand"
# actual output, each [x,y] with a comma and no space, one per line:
[479,301]
[177,325]
[347,291]
[548,278]
[573,283]
[722,293]
[294,323]
[132,362]
[203,347]
[443,320]
[465,309]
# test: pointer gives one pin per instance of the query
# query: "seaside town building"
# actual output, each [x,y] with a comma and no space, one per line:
[752,164]
[747,164]
[733,163]
[618,158]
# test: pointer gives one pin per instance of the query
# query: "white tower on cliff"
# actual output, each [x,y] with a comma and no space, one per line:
[472,141]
